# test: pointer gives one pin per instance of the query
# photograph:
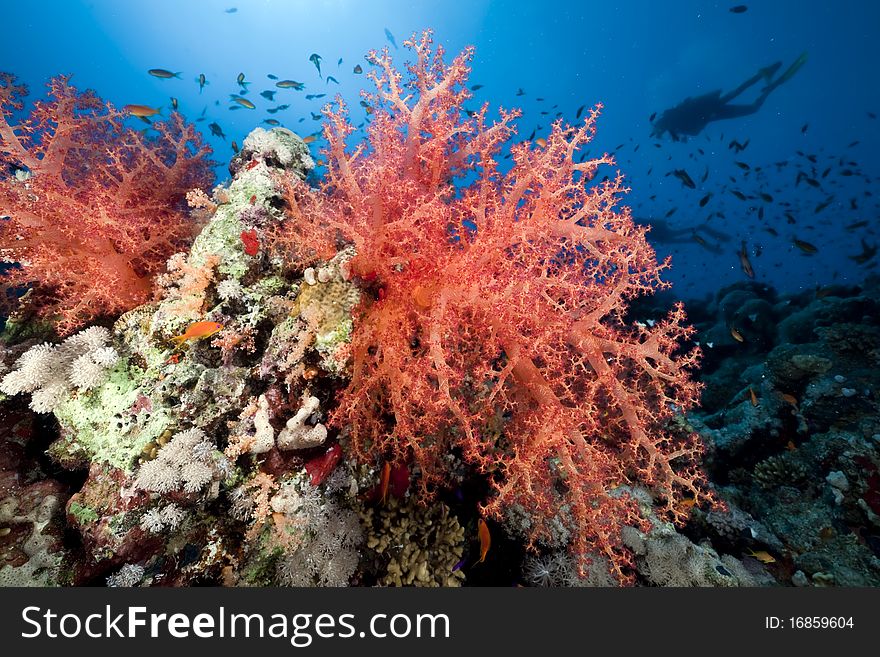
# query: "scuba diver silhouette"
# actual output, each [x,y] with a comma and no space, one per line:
[691,115]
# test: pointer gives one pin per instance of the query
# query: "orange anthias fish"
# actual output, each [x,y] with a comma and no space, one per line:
[198,330]
[384,480]
[736,335]
[745,263]
[753,396]
[791,399]
[485,539]
[762,555]
[141,111]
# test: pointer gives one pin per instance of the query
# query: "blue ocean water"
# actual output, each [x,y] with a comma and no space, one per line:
[637,58]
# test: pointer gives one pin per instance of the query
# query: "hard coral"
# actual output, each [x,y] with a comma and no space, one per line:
[496,325]
[94,208]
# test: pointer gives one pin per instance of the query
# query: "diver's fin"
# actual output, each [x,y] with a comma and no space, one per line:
[789,72]
[769,71]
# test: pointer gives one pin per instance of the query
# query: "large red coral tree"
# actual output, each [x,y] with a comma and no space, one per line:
[496,325]
[91,208]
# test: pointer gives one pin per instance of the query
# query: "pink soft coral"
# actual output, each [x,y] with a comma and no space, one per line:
[496,326]
[98,207]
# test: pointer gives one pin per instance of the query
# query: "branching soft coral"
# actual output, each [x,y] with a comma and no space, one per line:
[94,208]
[496,326]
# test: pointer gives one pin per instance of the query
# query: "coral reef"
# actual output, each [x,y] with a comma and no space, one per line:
[801,458]
[341,378]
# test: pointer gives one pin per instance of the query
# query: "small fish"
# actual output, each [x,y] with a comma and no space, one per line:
[762,555]
[824,204]
[540,141]
[476,87]
[752,396]
[742,165]
[390,38]
[235,148]
[384,480]
[202,80]
[315,59]
[856,225]
[313,96]
[744,261]
[806,247]
[271,76]
[231,10]
[198,330]
[241,83]
[290,84]
[173,103]
[485,539]
[705,199]
[790,446]
[316,117]
[868,252]
[766,197]
[244,102]
[804,128]
[685,179]
[739,9]
[330,79]
[738,194]
[580,111]
[520,92]
[163,74]
[357,70]
[736,335]
[272,121]
[141,111]
[700,240]
[216,130]
[652,117]
[310,138]
[268,95]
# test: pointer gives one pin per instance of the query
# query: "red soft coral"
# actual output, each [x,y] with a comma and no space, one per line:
[95,208]
[496,325]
